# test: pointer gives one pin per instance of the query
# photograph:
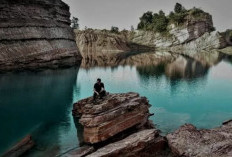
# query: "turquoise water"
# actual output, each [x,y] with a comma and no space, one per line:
[40,103]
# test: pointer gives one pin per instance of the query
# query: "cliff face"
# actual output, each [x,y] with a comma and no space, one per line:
[99,43]
[193,36]
[93,43]
[36,34]
[192,29]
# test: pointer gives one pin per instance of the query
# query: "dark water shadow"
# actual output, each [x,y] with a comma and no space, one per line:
[35,103]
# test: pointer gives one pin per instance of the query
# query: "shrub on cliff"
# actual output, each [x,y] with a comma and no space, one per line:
[179,8]
[74,23]
[158,22]
[146,21]
[177,18]
[114,30]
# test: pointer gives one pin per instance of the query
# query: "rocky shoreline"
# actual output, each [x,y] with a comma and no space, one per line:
[119,125]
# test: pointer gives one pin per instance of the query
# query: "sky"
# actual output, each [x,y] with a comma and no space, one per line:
[102,14]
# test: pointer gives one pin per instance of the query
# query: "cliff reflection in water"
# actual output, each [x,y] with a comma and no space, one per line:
[151,64]
[37,103]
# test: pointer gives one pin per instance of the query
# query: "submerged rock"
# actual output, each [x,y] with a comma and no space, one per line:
[36,34]
[20,148]
[187,141]
[112,115]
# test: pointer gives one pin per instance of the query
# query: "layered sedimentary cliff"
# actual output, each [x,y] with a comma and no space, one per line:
[36,34]
[94,43]
[103,43]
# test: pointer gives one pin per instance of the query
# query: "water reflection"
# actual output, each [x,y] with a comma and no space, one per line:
[181,90]
[36,103]
[156,64]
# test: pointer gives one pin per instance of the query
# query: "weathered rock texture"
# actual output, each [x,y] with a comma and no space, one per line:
[118,126]
[187,141]
[94,43]
[134,145]
[115,114]
[36,33]
[102,43]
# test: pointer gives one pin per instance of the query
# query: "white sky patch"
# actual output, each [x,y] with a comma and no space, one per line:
[124,13]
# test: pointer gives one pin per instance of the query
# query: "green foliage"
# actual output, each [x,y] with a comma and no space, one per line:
[178,8]
[196,12]
[177,18]
[114,30]
[146,21]
[74,23]
[159,22]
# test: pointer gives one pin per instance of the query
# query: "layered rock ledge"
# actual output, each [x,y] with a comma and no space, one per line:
[117,125]
[114,114]
[36,34]
[188,141]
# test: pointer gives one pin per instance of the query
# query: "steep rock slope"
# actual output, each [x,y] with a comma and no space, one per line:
[36,34]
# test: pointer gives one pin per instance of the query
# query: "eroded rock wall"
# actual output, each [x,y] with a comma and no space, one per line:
[36,34]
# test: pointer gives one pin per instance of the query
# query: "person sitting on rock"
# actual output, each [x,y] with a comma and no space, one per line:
[99,89]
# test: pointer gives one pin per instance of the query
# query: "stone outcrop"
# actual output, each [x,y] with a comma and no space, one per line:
[103,43]
[188,141]
[94,43]
[115,114]
[207,42]
[117,125]
[36,34]
[134,145]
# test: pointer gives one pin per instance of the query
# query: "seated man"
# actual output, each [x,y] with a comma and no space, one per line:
[99,89]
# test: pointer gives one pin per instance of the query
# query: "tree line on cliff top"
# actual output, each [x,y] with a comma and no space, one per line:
[159,22]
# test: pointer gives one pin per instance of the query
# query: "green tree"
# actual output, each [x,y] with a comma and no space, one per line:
[145,21]
[160,22]
[178,8]
[74,23]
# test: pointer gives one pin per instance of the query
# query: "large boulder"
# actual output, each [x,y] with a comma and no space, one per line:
[143,143]
[188,141]
[112,115]
[36,34]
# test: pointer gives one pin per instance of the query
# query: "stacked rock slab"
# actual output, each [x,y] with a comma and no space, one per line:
[36,33]
[187,141]
[117,126]
[115,114]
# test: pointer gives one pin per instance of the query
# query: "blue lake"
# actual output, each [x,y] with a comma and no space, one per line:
[40,103]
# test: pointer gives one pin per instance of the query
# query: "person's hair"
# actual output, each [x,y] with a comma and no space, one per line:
[99,79]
